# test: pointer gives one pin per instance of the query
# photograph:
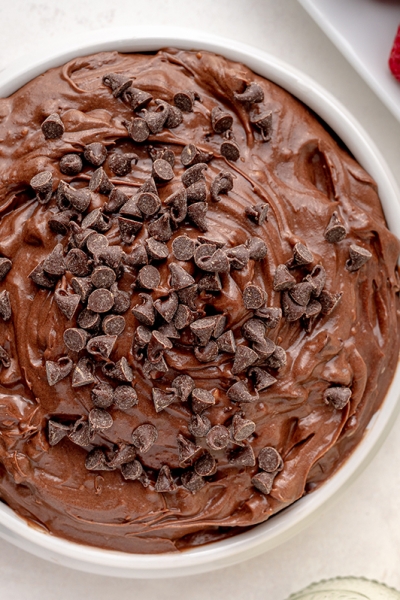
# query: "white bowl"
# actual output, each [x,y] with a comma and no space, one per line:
[294,518]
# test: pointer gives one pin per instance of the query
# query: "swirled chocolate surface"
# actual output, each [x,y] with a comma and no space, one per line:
[295,429]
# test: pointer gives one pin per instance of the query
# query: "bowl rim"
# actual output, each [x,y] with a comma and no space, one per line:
[297,516]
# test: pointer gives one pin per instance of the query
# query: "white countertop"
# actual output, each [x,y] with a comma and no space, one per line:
[360,535]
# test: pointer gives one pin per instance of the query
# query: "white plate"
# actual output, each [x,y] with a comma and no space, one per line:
[364,31]
[297,516]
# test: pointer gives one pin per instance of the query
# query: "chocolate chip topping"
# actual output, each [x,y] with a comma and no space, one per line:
[148,203]
[239,392]
[102,395]
[278,359]
[71,164]
[253,297]
[193,174]
[75,339]
[162,170]
[53,127]
[201,400]
[55,371]
[258,213]
[131,471]
[183,248]
[125,397]
[162,399]
[180,278]
[208,353]
[205,465]
[263,482]
[222,184]
[244,358]
[183,317]
[56,432]
[337,396]
[335,231]
[199,425]
[101,345]
[197,214]
[358,257]
[148,277]
[220,120]
[54,264]
[270,460]
[243,457]
[145,312]
[251,95]
[242,428]
[283,279]
[291,310]
[226,342]
[192,481]
[262,379]
[83,373]
[100,300]
[5,305]
[230,150]
[257,248]
[328,301]
[263,121]
[301,256]
[187,450]
[165,482]
[144,436]
[5,359]
[218,437]
[42,183]
[167,308]
[301,292]
[95,153]
[138,129]
[185,100]
[191,155]
[184,386]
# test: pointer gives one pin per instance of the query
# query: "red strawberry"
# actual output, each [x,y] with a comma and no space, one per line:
[394,58]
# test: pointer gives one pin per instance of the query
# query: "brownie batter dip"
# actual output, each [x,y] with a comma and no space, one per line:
[198,300]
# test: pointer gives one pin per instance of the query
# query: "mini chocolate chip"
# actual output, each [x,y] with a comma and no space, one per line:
[164,482]
[82,287]
[113,325]
[258,213]
[201,400]
[83,373]
[317,278]
[96,461]
[136,98]
[167,308]
[205,465]
[125,454]
[291,310]
[203,329]
[137,257]
[77,262]
[60,222]
[148,203]
[132,470]
[54,264]
[199,425]
[301,292]
[130,208]
[102,395]
[210,283]
[164,153]
[220,120]
[313,309]
[80,433]
[328,301]
[95,153]
[158,344]
[81,237]
[270,316]
[263,482]
[160,229]
[220,323]
[253,297]
[207,353]
[264,348]
[56,432]
[175,117]
[238,257]
[55,371]
[254,330]
[121,164]
[188,296]
[239,392]
[138,129]
[41,278]
[263,121]
[75,339]
[226,342]
[101,345]
[283,279]
[192,481]
[156,250]
[183,248]
[335,231]
[197,214]
[162,399]
[144,436]
[244,358]
[193,174]
[183,317]
[42,184]
[184,385]
[242,428]
[5,305]
[301,256]
[170,331]
[180,278]
[145,312]
[218,262]
[257,248]
[89,320]
[117,82]
[148,277]
[262,379]
[142,336]
[277,360]
[218,437]
[187,450]
[112,257]
[185,100]
[162,171]
[196,192]
[230,150]
[358,257]
[71,164]
[222,184]
[125,397]
[103,277]
[52,127]
[191,155]
[128,229]
[178,206]
[5,359]
[100,300]
[270,460]
[252,94]
[119,370]
[116,200]
[80,199]
[96,220]
[155,119]
[243,457]
[337,396]
[100,183]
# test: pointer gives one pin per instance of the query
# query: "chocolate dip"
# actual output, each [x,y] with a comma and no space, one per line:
[198,322]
